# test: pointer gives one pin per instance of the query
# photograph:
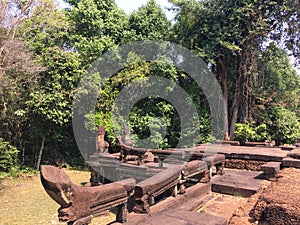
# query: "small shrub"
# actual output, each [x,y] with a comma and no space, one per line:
[8,157]
[283,125]
[250,132]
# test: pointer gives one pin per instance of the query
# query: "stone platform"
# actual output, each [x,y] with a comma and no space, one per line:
[247,153]
[238,182]
[182,209]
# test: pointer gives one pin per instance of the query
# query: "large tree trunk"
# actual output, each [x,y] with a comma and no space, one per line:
[40,153]
[243,86]
[222,70]
[234,115]
[237,98]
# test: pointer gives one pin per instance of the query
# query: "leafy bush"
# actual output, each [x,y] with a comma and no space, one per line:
[283,125]
[8,156]
[250,132]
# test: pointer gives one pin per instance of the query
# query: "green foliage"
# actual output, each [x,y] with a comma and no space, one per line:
[8,157]
[151,121]
[278,82]
[47,27]
[283,125]
[205,127]
[104,119]
[52,49]
[149,23]
[230,35]
[279,124]
[52,98]
[250,132]
[97,26]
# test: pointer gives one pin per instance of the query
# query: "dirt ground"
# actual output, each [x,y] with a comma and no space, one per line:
[277,204]
[223,205]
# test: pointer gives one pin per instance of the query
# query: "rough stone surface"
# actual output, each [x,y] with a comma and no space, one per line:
[190,201]
[287,147]
[241,164]
[254,165]
[235,164]
[234,143]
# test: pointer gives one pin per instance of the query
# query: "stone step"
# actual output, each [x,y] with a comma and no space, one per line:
[184,218]
[222,142]
[195,203]
[291,162]
[197,191]
[287,147]
[271,169]
[241,183]
[295,154]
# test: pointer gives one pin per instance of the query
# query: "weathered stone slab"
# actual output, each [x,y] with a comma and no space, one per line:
[294,154]
[287,147]
[241,183]
[271,169]
[233,143]
[195,204]
[185,218]
[246,153]
[257,144]
[291,162]
[196,192]
[256,157]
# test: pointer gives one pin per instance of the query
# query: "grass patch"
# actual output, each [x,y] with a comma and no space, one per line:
[25,202]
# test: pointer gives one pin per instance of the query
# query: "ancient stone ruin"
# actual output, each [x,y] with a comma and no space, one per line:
[135,180]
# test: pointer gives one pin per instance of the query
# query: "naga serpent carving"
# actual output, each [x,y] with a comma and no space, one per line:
[80,204]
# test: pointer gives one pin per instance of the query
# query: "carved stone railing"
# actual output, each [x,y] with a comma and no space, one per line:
[147,190]
[217,160]
[80,204]
[197,170]
[169,155]
[126,150]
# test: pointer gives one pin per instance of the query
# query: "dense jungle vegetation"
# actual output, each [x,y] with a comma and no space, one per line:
[45,51]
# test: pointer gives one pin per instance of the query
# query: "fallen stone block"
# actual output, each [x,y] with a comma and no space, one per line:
[271,169]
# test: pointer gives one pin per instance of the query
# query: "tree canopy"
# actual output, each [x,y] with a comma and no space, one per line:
[45,51]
